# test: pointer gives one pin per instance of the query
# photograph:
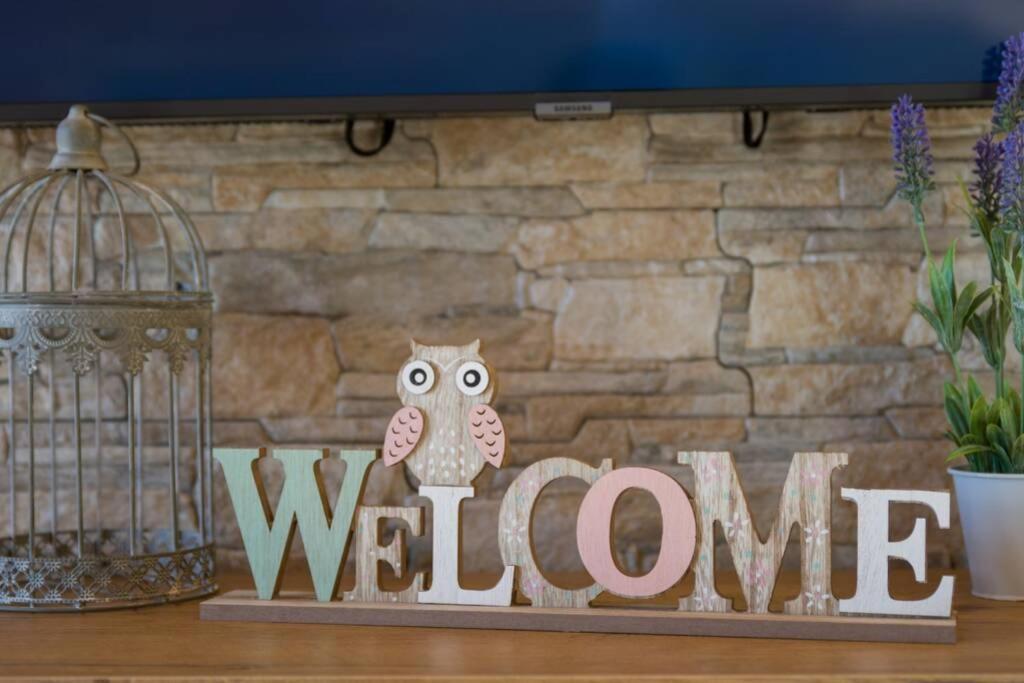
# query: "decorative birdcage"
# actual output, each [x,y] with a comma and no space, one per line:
[105,322]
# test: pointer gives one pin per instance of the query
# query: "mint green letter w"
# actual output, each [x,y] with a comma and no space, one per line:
[268,535]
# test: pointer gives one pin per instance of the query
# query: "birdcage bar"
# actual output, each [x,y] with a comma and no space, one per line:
[13,455]
[76,233]
[52,420]
[26,199]
[126,244]
[11,193]
[133,496]
[31,469]
[200,442]
[31,224]
[172,437]
[140,447]
[161,228]
[79,496]
[97,439]
[14,222]
[197,254]
[50,250]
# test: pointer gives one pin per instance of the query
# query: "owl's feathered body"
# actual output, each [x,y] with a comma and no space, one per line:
[445,433]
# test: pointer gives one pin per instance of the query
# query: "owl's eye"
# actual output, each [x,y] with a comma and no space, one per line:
[418,377]
[472,378]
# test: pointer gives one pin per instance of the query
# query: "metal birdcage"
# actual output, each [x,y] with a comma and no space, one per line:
[105,324]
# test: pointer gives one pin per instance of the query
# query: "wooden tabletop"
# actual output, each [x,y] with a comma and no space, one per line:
[171,641]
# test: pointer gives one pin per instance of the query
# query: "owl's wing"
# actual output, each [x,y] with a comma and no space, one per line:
[488,433]
[404,432]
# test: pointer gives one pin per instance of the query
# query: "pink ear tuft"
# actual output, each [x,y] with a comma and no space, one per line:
[488,433]
[404,432]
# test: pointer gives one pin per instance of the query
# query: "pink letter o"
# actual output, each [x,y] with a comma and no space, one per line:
[678,532]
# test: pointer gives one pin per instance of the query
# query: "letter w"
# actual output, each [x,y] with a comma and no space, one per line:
[268,535]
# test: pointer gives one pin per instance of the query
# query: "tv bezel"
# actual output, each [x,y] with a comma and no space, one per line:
[408,106]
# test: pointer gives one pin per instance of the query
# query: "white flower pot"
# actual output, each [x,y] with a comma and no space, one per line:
[991,511]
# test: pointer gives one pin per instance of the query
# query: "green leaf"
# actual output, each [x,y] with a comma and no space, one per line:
[974,393]
[1016,297]
[948,266]
[972,439]
[951,390]
[965,451]
[941,298]
[979,419]
[1008,422]
[974,302]
[1017,453]
[989,328]
[999,441]
[956,416]
[932,319]
[1013,399]
[964,299]
[1002,463]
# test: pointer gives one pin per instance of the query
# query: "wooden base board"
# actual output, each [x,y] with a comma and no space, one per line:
[301,608]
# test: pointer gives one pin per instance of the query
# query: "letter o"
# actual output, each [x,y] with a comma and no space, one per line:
[678,532]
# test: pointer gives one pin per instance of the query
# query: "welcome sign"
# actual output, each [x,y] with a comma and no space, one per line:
[446,432]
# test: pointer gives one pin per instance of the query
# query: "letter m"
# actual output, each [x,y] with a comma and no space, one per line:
[806,502]
[267,535]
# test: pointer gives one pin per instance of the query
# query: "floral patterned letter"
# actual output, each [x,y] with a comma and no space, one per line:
[806,501]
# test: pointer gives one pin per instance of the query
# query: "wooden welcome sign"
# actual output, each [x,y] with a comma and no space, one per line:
[446,433]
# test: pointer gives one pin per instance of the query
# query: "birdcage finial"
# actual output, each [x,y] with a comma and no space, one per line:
[78,142]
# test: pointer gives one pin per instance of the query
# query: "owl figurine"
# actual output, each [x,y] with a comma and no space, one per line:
[445,430]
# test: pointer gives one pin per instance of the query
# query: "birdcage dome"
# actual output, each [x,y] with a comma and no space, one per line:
[105,318]
[77,186]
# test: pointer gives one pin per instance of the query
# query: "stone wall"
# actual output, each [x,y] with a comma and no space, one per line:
[642,285]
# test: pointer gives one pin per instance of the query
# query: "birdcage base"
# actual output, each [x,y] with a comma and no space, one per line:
[63,575]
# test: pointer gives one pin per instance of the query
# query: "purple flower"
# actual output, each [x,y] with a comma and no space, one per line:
[1009,106]
[988,157]
[911,151]
[1011,192]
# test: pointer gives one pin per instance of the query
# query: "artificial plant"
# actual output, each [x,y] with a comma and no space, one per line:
[988,431]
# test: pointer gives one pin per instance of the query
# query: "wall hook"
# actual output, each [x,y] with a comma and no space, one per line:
[750,140]
[387,130]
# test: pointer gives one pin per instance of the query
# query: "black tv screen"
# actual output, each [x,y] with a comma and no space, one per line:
[219,58]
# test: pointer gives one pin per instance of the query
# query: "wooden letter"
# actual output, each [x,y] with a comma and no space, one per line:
[806,501]
[874,550]
[267,535]
[369,554]
[678,531]
[444,578]
[514,529]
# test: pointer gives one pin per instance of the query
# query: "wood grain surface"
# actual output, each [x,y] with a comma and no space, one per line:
[875,553]
[268,534]
[446,573]
[171,641]
[370,555]
[515,530]
[303,608]
[805,500]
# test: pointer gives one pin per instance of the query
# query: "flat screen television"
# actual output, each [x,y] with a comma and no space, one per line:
[331,58]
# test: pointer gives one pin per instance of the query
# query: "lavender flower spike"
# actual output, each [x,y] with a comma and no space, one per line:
[912,153]
[988,175]
[1011,195]
[1009,106]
